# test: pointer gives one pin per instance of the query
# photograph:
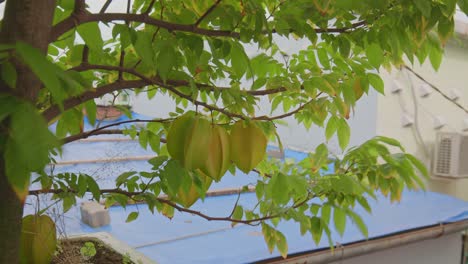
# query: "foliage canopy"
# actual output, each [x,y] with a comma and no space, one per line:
[195,51]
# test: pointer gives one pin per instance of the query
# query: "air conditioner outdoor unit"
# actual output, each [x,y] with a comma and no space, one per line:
[451,155]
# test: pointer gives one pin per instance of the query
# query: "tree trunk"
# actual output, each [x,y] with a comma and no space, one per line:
[11,212]
[29,21]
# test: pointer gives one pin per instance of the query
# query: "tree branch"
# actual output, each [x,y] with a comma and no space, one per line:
[177,207]
[207,13]
[85,55]
[176,83]
[170,85]
[270,118]
[84,17]
[53,111]
[103,130]
[121,64]
[71,22]
[436,89]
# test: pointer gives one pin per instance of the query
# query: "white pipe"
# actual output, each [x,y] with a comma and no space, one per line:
[361,248]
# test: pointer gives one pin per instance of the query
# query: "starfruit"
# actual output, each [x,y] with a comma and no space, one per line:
[219,156]
[187,140]
[248,145]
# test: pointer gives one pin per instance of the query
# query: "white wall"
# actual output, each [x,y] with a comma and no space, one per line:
[451,75]
[444,250]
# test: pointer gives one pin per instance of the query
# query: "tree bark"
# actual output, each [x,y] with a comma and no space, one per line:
[11,212]
[29,21]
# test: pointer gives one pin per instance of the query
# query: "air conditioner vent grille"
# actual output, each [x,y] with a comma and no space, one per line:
[444,156]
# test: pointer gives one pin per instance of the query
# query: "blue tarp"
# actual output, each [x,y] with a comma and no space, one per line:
[191,239]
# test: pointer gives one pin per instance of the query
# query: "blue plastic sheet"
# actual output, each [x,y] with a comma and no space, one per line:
[191,239]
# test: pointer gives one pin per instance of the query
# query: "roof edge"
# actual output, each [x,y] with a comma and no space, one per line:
[373,245]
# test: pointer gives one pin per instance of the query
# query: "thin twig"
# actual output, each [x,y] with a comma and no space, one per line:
[148,10]
[235,204]
[208,11]
[85,56]
[97,130]
[436,89]
[105,6]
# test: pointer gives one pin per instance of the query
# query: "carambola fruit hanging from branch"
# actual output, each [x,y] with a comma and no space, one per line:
[219,156]
[248,145]
[187,140]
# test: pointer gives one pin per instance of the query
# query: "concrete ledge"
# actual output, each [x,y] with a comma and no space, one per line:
[117,245]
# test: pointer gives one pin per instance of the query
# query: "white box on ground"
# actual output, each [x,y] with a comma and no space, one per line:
[94,214]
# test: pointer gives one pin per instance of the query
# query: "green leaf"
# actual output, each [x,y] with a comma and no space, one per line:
[269,236]
[143,138]
[375,55]
[418,164]
[42,68]
[67,4]
[239,60]
[339,217]
[344,133]
[91,35]
[67,202]
[463,5]
[127,36]
[144,49]
[316,229]
[154,142]
[259,190]
[376,82]
[174,174]
[435,56]
[27,147]
[279,190]
[167,211]
[358,222]
[314,208]
[281,244]
[8,105]
[166,59]
[323,58]
[158,161]
[238,212]
[9,74]
[122,178]
[445,29]
[363,202]
[132,217]
[424,6]
[82,185]
[326,212]
[332,126]
[93,188]
[69,123]
[120,199]
[390,141]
